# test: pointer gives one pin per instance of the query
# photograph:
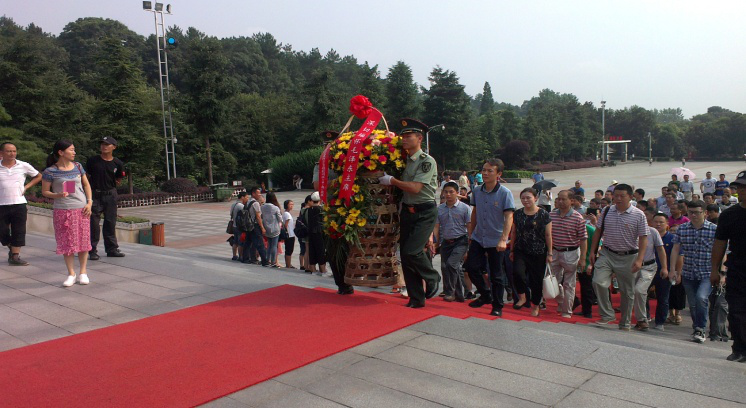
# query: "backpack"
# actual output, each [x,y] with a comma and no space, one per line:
[301,229]
[245,221]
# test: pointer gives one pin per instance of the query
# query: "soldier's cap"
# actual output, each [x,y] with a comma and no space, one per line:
[109,140]
[451,184]
[740,179]
[330,134]
[410,125]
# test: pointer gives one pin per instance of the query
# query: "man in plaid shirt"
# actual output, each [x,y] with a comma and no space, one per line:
[694,240]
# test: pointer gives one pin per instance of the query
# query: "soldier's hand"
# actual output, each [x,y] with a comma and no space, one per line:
[385,179]
[502,245]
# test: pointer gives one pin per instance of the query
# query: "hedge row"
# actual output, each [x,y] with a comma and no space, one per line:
[288,165]
[568,165]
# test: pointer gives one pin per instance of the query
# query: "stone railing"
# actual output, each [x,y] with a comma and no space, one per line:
[148,199]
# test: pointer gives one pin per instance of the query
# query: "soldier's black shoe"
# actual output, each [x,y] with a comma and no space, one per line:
[346,291]
[481,301]
[415,304]
[115,254]
[93,256]
[734,357]
[496,312]
[432,290]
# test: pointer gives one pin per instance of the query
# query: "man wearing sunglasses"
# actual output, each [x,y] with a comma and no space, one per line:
[695,240]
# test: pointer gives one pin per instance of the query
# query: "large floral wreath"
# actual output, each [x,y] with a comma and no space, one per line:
[382,152]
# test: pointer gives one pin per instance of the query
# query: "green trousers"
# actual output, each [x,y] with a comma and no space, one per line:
[415,232]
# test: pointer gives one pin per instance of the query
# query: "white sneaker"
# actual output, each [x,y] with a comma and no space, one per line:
[83,279]
[69,281]
[698,336]
[328,275]
[403,293]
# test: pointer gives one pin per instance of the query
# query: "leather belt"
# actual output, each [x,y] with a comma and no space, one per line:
[451,241]
[415,208]
[565,249]
[648,263]
[630,252]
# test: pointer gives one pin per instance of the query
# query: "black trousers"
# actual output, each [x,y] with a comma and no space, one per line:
[337,260]
[587,295]
[106,205]
[478,258]
[13,224]
[735,295]
[416,265]
[528,273]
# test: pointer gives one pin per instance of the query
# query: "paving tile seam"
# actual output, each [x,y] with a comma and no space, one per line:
[449,379]
[280,395]
[492,367]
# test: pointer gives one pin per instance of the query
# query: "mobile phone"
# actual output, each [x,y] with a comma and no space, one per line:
[593,211]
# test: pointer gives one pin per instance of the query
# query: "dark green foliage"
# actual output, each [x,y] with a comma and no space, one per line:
[179,185]
[286,166]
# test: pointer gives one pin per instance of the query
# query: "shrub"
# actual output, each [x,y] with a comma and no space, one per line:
[517,174]
[515,154]
[286,166]
[179,185]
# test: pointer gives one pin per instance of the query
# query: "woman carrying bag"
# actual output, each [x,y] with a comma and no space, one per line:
[272,220]
[532,239]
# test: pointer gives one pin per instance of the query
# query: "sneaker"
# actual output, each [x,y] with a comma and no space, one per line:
[15,260]
[318,274]
[69,281]
[469,295]
[93,256]
[659,327]
[624,328]
[604,322]
[566,316]
[698,336]
[235,258]
[115,254]
[83,279]
[642,326]
[404,293]
[328,275]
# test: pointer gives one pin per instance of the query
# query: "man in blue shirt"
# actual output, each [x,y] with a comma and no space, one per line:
[721,185]
[491,221]
[537,176]
[694,240]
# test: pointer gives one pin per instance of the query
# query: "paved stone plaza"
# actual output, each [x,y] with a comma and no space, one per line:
[439,362]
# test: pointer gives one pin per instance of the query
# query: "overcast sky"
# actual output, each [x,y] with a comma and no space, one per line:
[656,54]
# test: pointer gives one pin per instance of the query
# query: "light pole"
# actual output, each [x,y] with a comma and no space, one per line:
[650,148]
[160,41]
[427,135]
[603,131]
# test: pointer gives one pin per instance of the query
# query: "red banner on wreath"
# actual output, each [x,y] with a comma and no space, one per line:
[353,155]
[324,172]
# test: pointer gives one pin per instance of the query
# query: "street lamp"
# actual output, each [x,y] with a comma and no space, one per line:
[603,131]
[160,41]
[427,135]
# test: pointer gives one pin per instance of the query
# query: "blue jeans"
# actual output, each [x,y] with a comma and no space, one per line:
[272,249]
[662,292]
[697,294]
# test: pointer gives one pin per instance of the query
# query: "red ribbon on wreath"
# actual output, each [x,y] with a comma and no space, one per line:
[361,107]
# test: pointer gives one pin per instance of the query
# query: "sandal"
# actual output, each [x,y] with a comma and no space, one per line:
[671,319]
[396,289]
[678,320]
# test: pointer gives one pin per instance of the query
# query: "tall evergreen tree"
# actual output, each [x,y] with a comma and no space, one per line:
[487,104]
[401,93]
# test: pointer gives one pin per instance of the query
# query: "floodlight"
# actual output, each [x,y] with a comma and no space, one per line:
[147,5]
[158,6]
[168,8]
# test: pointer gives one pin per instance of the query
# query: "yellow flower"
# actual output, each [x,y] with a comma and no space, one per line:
[341,211]
[355,188]
[373,157]
[359,198]
[395,154]
[343,145]
[361,156]
[399,164]
[350,220]
[326,207]
[337,156]
[354,212]
[334,225]
[368,147]
[362,222]
[326,218]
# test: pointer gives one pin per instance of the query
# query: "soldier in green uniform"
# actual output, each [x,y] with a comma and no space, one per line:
[418,214]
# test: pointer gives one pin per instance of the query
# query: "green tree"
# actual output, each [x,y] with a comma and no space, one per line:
[487,103]
[401,93]
[372,86]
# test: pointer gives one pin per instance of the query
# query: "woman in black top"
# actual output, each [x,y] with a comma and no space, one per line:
[531,237]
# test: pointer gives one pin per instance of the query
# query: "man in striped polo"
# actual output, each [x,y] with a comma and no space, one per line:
[569,246]
[624,230]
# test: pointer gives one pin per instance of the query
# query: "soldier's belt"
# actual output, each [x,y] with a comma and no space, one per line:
[415,208]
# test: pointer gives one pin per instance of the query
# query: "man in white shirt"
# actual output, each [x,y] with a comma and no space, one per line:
[13,210]
[708,184]
[687,187]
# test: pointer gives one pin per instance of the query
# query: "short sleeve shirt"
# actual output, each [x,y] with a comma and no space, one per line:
[530,231]
[708,185]
[490,207]
[730,228]
[621,231]
[568,230]
[654,240]
[58,178]
[286,216]
[720,186]
[103,174]
[237,207]
[696,246]
[453,220]
[421,167]
[12,181]
[667,247]
[686,186]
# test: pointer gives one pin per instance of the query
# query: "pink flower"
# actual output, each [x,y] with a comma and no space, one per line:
[376,142]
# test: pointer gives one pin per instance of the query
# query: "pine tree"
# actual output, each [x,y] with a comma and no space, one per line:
[487,104]
[401,93]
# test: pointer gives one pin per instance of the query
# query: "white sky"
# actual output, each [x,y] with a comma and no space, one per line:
[656,54]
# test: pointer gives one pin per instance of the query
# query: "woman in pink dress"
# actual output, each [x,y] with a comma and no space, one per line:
[65,182]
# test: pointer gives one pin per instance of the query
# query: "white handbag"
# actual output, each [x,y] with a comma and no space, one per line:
[550,285]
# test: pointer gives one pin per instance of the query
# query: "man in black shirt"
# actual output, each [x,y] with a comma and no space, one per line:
[104,172]
[730,235]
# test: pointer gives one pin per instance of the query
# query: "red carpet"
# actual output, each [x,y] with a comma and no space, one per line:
[195,355]
[462,310]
